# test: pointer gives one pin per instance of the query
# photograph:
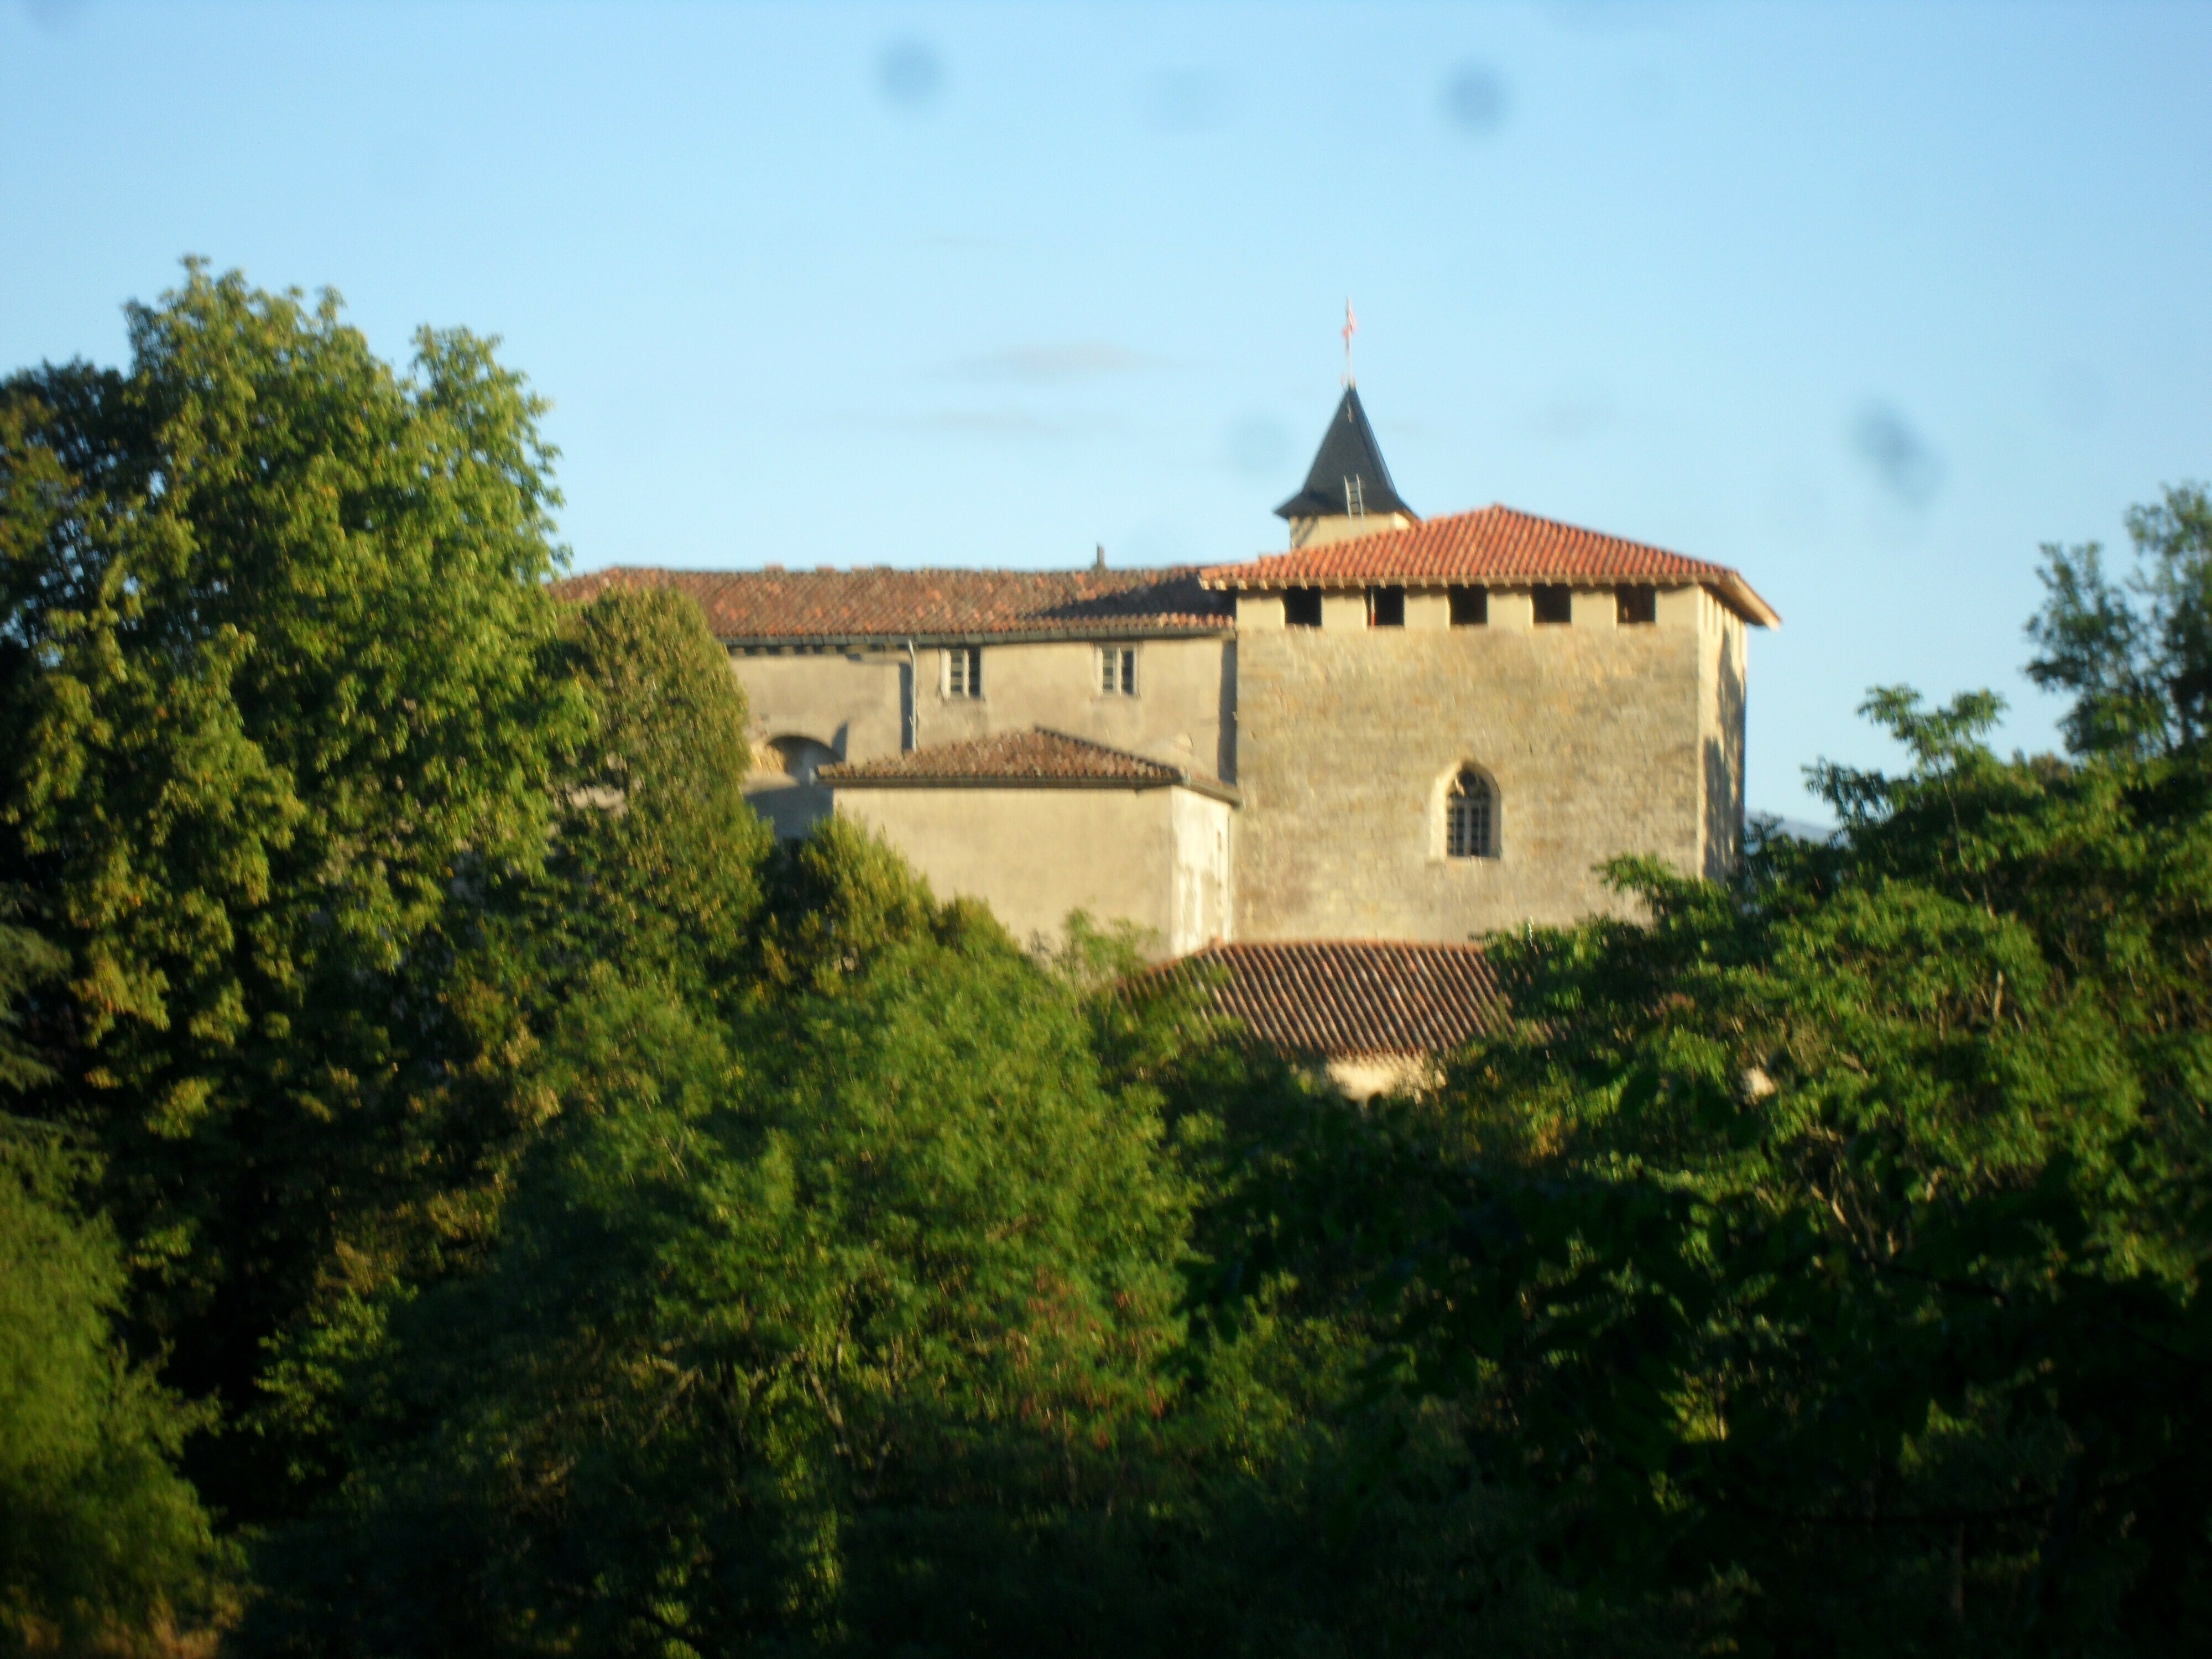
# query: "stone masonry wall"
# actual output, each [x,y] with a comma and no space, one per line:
[1599,740]
[1722,669]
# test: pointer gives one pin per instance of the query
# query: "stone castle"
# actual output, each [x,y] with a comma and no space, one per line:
[1398,730]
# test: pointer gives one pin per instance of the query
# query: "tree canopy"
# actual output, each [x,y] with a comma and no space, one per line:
[272,658]
[464,1186]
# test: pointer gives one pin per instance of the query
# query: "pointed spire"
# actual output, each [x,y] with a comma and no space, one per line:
[1347,479]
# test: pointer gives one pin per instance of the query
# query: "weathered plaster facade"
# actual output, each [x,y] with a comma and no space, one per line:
[1158,858]
[1182,709]
[860,704]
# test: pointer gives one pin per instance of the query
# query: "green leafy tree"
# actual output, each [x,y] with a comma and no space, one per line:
[1814,1269]
[818,1327]
[101,1538]
[2137,654]
[273,637]
[655,868]
[1815,1266]
[658,857]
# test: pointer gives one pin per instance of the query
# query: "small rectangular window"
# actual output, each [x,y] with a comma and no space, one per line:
[1635,602]
[1386,607]
[1302,607]
[963,672]
[1555,604]
[1470,607]
[1117,671]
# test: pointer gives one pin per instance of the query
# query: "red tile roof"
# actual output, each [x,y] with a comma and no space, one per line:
[932,606]
[1036,759]
[1495,545]
[1343,998]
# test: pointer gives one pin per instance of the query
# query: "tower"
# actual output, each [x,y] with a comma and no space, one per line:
[1348,490]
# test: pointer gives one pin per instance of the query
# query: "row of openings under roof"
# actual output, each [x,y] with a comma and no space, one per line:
[1634,603]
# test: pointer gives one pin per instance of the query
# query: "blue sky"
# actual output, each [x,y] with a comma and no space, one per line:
[1866,301]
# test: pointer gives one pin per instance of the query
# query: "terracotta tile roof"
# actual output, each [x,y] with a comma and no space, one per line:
[1342,997]
[1493,545]
[931,605]
[1038,758]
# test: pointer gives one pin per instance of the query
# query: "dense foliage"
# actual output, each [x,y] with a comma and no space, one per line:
[98,1532]
[466,1189]
[271,671]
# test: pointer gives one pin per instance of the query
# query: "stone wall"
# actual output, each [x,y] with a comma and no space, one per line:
[1722,666]
[851,701]
[1601,739]
[1185,701]
[1158,858]
[856,702]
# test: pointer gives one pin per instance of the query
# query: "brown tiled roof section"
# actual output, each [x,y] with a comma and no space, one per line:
[1339,998]
[1015,758]
[1493,545]
[882,604]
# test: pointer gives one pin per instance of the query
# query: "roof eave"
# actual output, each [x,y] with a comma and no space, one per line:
[1195,782]
[1741,598]
[1137,630]
[1730,588]
[1304,505]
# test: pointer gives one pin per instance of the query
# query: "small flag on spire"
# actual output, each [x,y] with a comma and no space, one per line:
[1351,328]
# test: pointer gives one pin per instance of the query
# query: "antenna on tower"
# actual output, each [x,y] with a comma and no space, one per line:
[1351,328]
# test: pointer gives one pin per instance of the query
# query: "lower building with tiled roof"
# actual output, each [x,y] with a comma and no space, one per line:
[1038,758]
[1039,823]
[1397,729]
[1377,1013]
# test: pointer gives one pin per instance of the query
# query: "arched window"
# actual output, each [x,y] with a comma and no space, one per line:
[799,758]
[1471,817]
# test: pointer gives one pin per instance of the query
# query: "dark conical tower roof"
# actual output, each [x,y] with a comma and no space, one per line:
[1346,470]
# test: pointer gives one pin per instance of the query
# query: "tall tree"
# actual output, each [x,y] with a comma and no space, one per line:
[658,858]
[811,1329]
[273,625]
[101,1538]
[2136,655]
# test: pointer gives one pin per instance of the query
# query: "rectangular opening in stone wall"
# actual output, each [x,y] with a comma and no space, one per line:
[1302,607]
[1386,607]
[1555,604]
[1470,607]
[1635,602]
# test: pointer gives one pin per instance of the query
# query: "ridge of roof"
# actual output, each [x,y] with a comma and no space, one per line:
[1348,455]
[1037,757]
[1490,544]
[771,605]
[1345,998]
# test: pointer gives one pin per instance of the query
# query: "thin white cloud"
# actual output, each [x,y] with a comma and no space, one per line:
[1081,360]
[1018,424]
